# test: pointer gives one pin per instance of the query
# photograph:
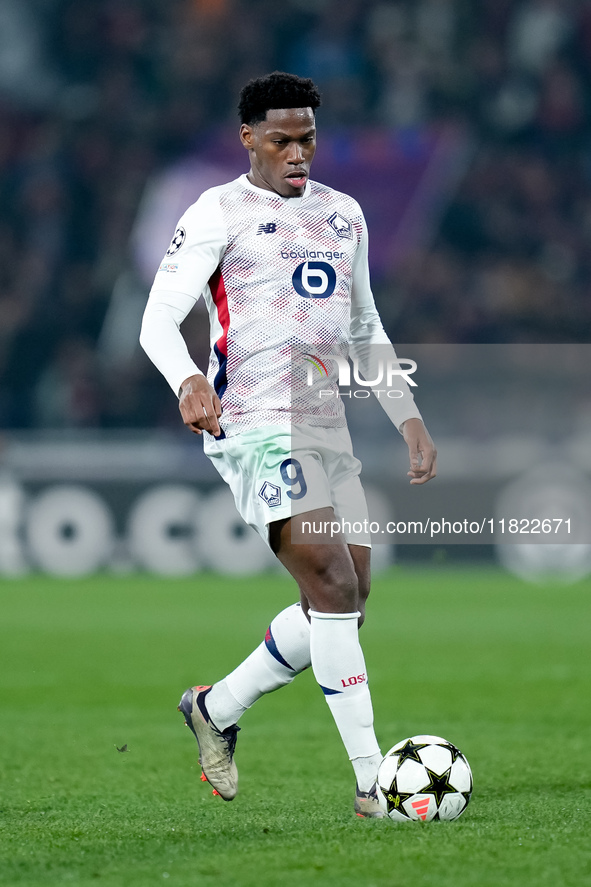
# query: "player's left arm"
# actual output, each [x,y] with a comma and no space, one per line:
[369,345]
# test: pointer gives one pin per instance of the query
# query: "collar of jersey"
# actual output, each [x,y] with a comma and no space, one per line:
[293,201]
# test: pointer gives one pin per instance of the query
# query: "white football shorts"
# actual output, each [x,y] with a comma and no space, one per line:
[278,471]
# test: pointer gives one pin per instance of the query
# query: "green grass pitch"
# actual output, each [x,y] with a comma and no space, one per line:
[500,668]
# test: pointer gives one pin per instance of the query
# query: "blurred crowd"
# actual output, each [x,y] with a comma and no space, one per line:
[98,95]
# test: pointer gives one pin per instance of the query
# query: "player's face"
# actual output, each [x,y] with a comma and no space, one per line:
[281,150]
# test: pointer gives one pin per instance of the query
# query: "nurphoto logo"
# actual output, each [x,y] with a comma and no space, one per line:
[386,371]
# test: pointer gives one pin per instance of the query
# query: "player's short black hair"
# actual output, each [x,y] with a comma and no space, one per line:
[276,90]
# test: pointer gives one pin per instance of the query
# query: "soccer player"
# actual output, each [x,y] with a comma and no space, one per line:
[282,263]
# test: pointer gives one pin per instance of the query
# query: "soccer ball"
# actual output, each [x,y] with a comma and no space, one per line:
[424,777]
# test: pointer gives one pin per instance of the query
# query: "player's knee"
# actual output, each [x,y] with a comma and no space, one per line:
[345,596]
[335,590]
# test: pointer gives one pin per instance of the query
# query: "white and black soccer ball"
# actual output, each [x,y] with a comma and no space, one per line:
[424,778]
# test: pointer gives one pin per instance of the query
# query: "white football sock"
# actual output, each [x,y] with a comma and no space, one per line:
[366,770]
[283,654]
[339,668]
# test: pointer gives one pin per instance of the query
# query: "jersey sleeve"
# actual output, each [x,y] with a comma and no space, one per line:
[196,249]
[162,339]
[195,252]
[369,343]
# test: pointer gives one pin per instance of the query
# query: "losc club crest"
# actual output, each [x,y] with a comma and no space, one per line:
[271,494]
[341,226]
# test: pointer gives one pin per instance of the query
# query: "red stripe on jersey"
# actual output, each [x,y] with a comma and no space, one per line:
[220,300]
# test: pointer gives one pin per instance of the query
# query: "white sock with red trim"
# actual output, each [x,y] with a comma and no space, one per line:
[339,668]
[283,654]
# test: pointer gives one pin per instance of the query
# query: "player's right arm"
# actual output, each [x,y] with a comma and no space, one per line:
[194,254]
[199,405]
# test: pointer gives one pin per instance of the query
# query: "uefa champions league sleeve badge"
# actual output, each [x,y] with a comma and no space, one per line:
[177,241]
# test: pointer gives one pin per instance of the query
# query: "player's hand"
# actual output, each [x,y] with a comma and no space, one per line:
[200,406]
[422,452]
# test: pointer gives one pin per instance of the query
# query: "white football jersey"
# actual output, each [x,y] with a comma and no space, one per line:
[284,280]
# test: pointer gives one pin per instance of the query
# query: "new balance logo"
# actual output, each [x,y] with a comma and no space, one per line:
[267,228]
